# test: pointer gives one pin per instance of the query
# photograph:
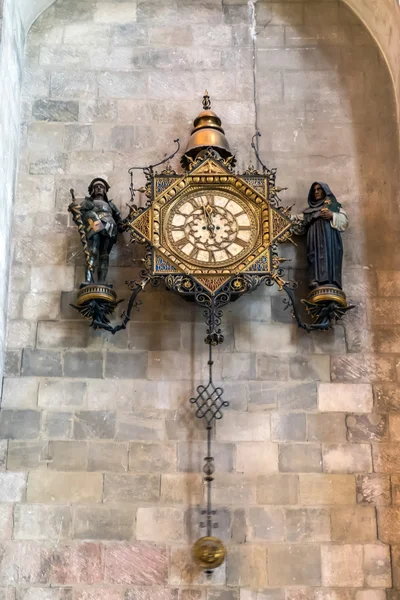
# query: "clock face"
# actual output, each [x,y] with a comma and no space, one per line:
[211,228]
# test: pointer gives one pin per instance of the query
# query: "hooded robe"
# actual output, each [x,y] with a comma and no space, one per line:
[324,238]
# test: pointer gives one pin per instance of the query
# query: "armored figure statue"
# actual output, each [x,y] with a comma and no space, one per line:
[323,220]
[101,220]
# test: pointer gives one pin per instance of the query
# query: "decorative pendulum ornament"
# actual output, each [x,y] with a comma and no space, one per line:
[209,552]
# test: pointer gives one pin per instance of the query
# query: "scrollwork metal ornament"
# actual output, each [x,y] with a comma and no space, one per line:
[210,236]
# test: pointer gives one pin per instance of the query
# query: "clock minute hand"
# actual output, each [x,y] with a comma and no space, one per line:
[208,211]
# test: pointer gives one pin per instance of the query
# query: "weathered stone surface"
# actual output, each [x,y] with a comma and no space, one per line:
[19,424]
[256,457]
[39,522]
[244,427]
[246,566]
[57,425]
[386,458]
[55,487]
[191,456]
[152,457]
[277,489]
[294,565]
[103,523]
[387,397]
[326,427]
[94,425]
[130,427]
[67,456]
[327,489]
[55,110]
[373,489]
[362,368]
[3,454]
[24,456]
[266,524]
[308,525]
[355,524]
[345,397]
[301,396]
[72,564]
[342,566]
[41,363]
[288,428]
[106,456]
[19,393]
[300,458]
[160,524]
[131,488]
[83,364]
[367,428]
[347,458]
[179,488]
[12,487]
[135,564]
[131,365]
[377,566]
[61,394]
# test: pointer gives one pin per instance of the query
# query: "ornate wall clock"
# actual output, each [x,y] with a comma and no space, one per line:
[210,235]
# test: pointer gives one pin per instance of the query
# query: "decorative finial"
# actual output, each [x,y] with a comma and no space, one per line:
[206,101]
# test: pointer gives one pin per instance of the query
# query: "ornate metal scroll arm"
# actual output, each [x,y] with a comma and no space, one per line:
[209,552]
[136,287]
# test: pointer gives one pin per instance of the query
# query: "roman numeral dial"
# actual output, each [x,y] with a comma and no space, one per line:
[211,228]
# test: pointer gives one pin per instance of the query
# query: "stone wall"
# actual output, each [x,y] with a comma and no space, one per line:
[12,37]
[100,460]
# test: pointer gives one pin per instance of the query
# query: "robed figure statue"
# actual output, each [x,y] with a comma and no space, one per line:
[323,220]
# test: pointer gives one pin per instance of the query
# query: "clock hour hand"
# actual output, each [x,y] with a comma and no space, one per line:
[207,210]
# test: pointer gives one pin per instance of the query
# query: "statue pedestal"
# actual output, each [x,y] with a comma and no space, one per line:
[96,302]
[324,294]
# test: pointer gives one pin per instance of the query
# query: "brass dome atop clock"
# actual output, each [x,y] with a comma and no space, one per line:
[207,133]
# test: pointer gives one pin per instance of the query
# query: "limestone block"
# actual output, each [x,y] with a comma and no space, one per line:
[19,393]
[66,57]
[259,337]
[342,397]
[362,368]
[105,456]
[308,525]
[256,457]
[395,566]
[38,522]
[12,363]
[235,489]
[325,489]
[374,489]
[300,458]
[53,593]
[83,364]
[43,135]
[238,366]
[288,427]
[41,306]
[377,566]
[160,336]
[353,524]
[152,457]
[163,366]
[244,427]
[131,427]
[267,524]
[150,593]
[97,109]
[3,454]
[389,524]
[19,424]
[6,521]
[386,458]
[83,162]
[130,34]
[67,456]
[61,394]
[326,427]
[130,365]
[387,397]
[57,425]
[55,110]
[347,458]
[388,283]
[46,250]
[237,394]
[94,425]
[247,566]
[103,522]
[118,85]
[49,279]
[131,488]
[175,86]
[318,34]
[277,489]
[160,524]
[24,456]
[262,395]
[294,565]
[20,334]
[76,564]
[182,488]
[191,456]
[70,488]
[342,566]
[367,428]
[98,395]
[135,564]
[108,12]
[12,486]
